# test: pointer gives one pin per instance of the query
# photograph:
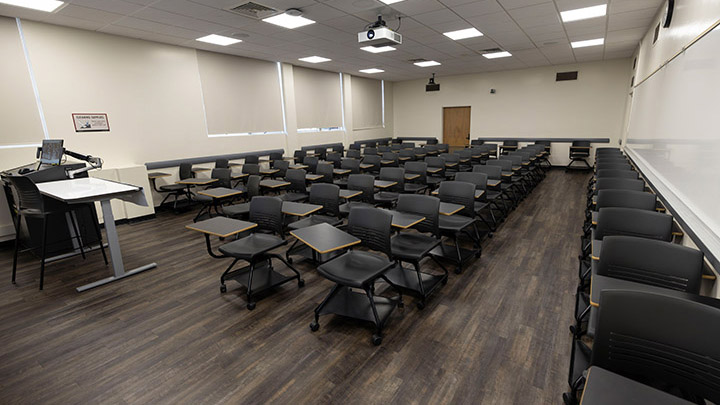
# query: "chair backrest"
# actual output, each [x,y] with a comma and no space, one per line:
[450,157]
[396,174]
[407,153]
[613,166]
[275,156]
[443,148]
[282,166]
[510,143]
[390,156]
[504,164]
[618,183]
[222,164]
[386,148]
[253,186]
[185,171]
[477,142]
[435,161]
[626,199]
[299,155]
[432,141]
[423,205]
[296,178]
[311,162]
[370,150]
[372,227]
[321,153]
[28,194]
[223,176]
[364,183]
[652,262]
[431,148]
[464,153]
[326,170]
[408,145]
[493,172]
[351,164]
[625,174]
[266,212]
[459,192]
[252,159]
[633,222]
[651,338]
[580,149]
[335,158]
[251,168]
[339,149]
[476,178]
[327,195]
[374,160]
[354,153]
[419,168]
[516,159]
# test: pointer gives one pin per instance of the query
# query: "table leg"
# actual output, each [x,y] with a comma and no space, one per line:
[115,253]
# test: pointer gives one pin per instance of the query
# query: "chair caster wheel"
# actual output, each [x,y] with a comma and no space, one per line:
[573,330]
[444,281]
[490,235]
[223,289]
[376,340]
[420,305]
[458,270]
[568,399]
[250,306]
[401,304]
[314,326]
[289,260]
[478,254]
[301,283]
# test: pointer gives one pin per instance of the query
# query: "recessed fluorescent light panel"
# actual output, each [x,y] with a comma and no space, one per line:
[584,13]
[377,49]
[42,5]
[315,59]
[391,1]
[589,42]
[426,63]
[219,40]
[495,55]
[289,21]
[371,71]
[462,34]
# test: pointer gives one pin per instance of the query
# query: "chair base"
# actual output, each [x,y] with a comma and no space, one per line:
[450,253]
[406,279]
[263,278]
[343,301]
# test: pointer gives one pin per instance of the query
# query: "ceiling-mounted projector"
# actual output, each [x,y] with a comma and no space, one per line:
[378,34]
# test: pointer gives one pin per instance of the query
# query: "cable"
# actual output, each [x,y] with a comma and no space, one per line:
[399,24]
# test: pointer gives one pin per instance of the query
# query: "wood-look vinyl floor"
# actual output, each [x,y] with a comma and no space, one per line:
[495,334]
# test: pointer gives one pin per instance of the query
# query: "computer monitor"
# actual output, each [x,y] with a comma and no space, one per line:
[52,151]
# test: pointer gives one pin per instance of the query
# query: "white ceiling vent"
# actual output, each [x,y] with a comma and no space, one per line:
[253,10]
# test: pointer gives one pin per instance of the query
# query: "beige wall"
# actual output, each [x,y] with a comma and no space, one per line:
[151,92]
[528,103]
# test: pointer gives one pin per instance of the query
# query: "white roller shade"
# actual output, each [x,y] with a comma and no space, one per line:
[18,109]
[317,98]
[241,95]
[367,103]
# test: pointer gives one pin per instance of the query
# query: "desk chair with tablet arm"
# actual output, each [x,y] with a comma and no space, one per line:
[644,351]
[296,191]
[365,184]
[177,190]
[241,211]
[255,249]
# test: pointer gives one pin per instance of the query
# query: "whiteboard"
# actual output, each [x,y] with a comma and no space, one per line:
[674,136]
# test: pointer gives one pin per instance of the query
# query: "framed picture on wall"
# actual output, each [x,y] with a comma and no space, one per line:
[91,122]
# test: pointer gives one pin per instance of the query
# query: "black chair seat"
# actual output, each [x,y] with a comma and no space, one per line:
[237,210]
[294,197]
[386,197]
[172,187]
[492,195]
[412,247]
[345,208]
[342,183]
[355,268]
[415,188]
[315,220]
[251,246]
[241,188]
[454,223]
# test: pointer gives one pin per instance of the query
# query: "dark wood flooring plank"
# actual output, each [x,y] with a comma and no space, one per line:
[495,334]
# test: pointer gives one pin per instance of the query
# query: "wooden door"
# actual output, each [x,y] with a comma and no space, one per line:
[456,126]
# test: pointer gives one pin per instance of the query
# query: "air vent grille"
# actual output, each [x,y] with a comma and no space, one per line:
[491,50]
[253,10]
[563,76]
